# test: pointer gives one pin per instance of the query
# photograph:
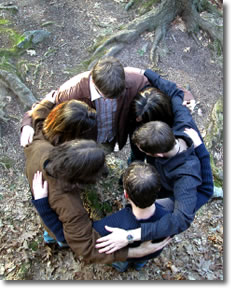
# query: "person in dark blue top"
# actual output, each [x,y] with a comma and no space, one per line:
[179,167]
[141,186]
[149,104]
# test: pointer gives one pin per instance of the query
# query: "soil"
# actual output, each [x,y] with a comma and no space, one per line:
[196,254]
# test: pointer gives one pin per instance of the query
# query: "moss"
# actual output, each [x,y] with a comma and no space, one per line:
[84,65]
[97,208]
[33,245]
[7,162]
[5,64]
[216,47]
[14,36]
[10,53]
[99,41]
[214,141]
[144,6]
[216,173]
[24,272]
[4,21]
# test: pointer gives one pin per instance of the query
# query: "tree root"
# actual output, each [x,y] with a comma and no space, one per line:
[12,82]
[158,20]
[159,34]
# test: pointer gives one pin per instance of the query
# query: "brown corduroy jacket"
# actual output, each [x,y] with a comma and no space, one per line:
[78,88]
[77,226]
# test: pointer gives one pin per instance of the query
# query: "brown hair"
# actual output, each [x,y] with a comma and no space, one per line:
[76,161]
[69,120]
[109,77]
[142,183]
[151,105]
[154,137]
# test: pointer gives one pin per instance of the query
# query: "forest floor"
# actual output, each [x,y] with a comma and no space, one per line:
[196,254]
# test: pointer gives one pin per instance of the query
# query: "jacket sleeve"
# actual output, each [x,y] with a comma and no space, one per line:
[185,199]
[182,115]
[78,230]
[205,190]
[70,89]
[38,112]
[75,88]
[49,217]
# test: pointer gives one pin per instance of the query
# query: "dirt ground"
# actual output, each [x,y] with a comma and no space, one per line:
[196,254]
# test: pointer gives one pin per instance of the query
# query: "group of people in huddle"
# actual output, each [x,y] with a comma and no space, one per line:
[66,137]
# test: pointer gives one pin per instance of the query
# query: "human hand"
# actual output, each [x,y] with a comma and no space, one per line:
[147,248]
[26,135]
[194,136]
[188,96]
[51,96]
[40,189]
[190,104]
[113,241]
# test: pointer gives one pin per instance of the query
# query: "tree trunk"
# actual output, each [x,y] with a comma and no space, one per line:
[158,20]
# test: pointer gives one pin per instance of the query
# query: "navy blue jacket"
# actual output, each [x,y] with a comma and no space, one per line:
[181,174]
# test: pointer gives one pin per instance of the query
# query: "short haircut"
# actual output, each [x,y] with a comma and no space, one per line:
[142,184]
[109,77]
[76,161]
[154,137]
[69,120]
[152,105]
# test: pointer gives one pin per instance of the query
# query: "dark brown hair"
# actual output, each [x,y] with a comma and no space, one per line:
[152,105]
[154,137]
[69,120]
[109,77]
[142,183]
[76,161]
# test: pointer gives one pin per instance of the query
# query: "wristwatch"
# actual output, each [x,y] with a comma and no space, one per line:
[130,239]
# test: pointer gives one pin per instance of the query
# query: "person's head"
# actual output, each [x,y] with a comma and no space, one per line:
[151,104]
[109,77]
[141,184]
[69,120]
[76,161]
[154,137]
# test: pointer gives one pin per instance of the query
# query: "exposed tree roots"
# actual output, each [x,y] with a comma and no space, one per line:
[12,82]
[158,20]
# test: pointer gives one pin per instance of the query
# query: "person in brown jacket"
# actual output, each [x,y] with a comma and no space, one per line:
[66,167]
[109,88]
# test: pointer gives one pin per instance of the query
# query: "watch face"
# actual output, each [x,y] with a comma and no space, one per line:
[130,238]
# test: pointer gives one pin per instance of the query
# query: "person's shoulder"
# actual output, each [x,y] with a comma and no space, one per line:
[84,76]
[134,77]
[133,71]
[39,144]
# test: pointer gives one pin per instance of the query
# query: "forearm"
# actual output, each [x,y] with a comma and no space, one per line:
[185,199]
[148,248]
[164,85]
[49,217]
[136,253]
[136,234]
[83,244]
[205,190]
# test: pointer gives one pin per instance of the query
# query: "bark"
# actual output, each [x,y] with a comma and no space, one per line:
[12,82]
[158,20]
